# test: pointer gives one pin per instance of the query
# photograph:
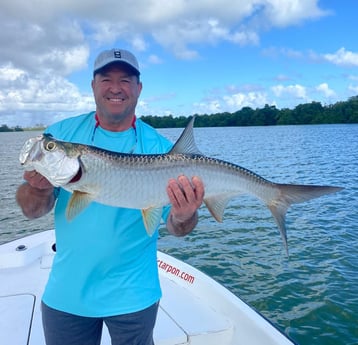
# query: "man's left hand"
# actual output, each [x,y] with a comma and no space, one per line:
[186,196]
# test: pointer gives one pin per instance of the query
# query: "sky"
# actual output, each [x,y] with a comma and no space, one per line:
[196,57]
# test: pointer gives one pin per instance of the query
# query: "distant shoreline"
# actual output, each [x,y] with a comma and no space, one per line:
[313,113]
[5,129]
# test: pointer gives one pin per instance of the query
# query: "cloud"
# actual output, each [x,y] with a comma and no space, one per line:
[43,96]
[297,91]
[155,59]
[276,52]
[353,77]
[208,107]
[173,24]
[232,103]
[180,35]
[45,42]
[324,88]
[282,77]
[281,13]
[37,46]
[342,57]
[250,99]
[353,89]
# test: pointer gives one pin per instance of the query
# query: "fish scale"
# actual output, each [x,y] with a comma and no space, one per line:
[139,181]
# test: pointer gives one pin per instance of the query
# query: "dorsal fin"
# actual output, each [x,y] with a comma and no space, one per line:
[186,142]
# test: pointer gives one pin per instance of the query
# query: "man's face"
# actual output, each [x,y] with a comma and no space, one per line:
[116,93]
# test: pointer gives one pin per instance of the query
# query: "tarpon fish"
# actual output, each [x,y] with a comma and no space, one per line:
[139,180]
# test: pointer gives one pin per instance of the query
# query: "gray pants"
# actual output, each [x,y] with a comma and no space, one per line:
[67,329]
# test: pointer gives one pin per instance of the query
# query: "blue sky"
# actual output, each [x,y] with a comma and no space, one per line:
[196,56]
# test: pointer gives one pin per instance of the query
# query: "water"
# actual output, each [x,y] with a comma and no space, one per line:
[312,295]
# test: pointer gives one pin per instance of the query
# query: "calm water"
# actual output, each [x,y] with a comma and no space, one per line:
[312,295]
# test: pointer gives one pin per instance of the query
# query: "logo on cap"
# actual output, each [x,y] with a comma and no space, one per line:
[117,54]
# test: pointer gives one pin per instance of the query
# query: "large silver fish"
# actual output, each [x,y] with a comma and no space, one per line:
[139,181]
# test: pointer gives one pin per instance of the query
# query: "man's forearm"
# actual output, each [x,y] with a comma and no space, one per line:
[35,202]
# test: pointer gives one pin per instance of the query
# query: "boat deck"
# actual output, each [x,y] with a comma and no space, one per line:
[194,309]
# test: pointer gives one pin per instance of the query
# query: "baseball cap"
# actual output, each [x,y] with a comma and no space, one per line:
[116,55]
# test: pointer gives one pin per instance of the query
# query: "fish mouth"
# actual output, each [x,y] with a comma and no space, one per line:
[30,151]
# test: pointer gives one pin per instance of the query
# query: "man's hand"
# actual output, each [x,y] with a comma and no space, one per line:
[36,195]
[186,197]
[36,180]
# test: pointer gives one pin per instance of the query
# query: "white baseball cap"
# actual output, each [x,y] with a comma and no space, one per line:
[116,55]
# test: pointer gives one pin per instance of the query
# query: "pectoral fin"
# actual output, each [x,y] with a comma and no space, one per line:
[78,202]
[151,218]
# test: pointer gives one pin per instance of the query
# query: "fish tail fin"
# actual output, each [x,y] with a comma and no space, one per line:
[292,194]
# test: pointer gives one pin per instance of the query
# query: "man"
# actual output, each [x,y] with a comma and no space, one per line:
[105,268]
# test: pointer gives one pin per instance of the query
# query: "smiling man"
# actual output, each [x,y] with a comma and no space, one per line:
[105,268]
[116,87]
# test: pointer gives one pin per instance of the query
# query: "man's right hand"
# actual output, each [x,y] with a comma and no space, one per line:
[36,195]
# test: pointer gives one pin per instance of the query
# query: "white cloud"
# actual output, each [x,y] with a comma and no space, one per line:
[283,13]
[45,42]
[174,24]
[244,37]
[353,77]
[106,32]
[155,59]
[139,43]
[282,77]
[232,103]
[275,52]
[324,88]
[353,89]
[342,57]
[57,46]
[42,96]
[143,107]
[296,91]
[180,35]
[250,99]
[8,73]
[210,107]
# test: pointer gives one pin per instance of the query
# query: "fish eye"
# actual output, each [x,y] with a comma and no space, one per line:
[50,146]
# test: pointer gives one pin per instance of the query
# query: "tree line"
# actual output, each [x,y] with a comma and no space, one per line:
[6,128]
[269,115]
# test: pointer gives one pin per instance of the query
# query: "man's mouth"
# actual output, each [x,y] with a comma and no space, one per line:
[115,100]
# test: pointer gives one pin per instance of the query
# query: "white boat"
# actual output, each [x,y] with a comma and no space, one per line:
[194,309]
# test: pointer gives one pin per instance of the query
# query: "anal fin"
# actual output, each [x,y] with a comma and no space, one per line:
[217,204]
